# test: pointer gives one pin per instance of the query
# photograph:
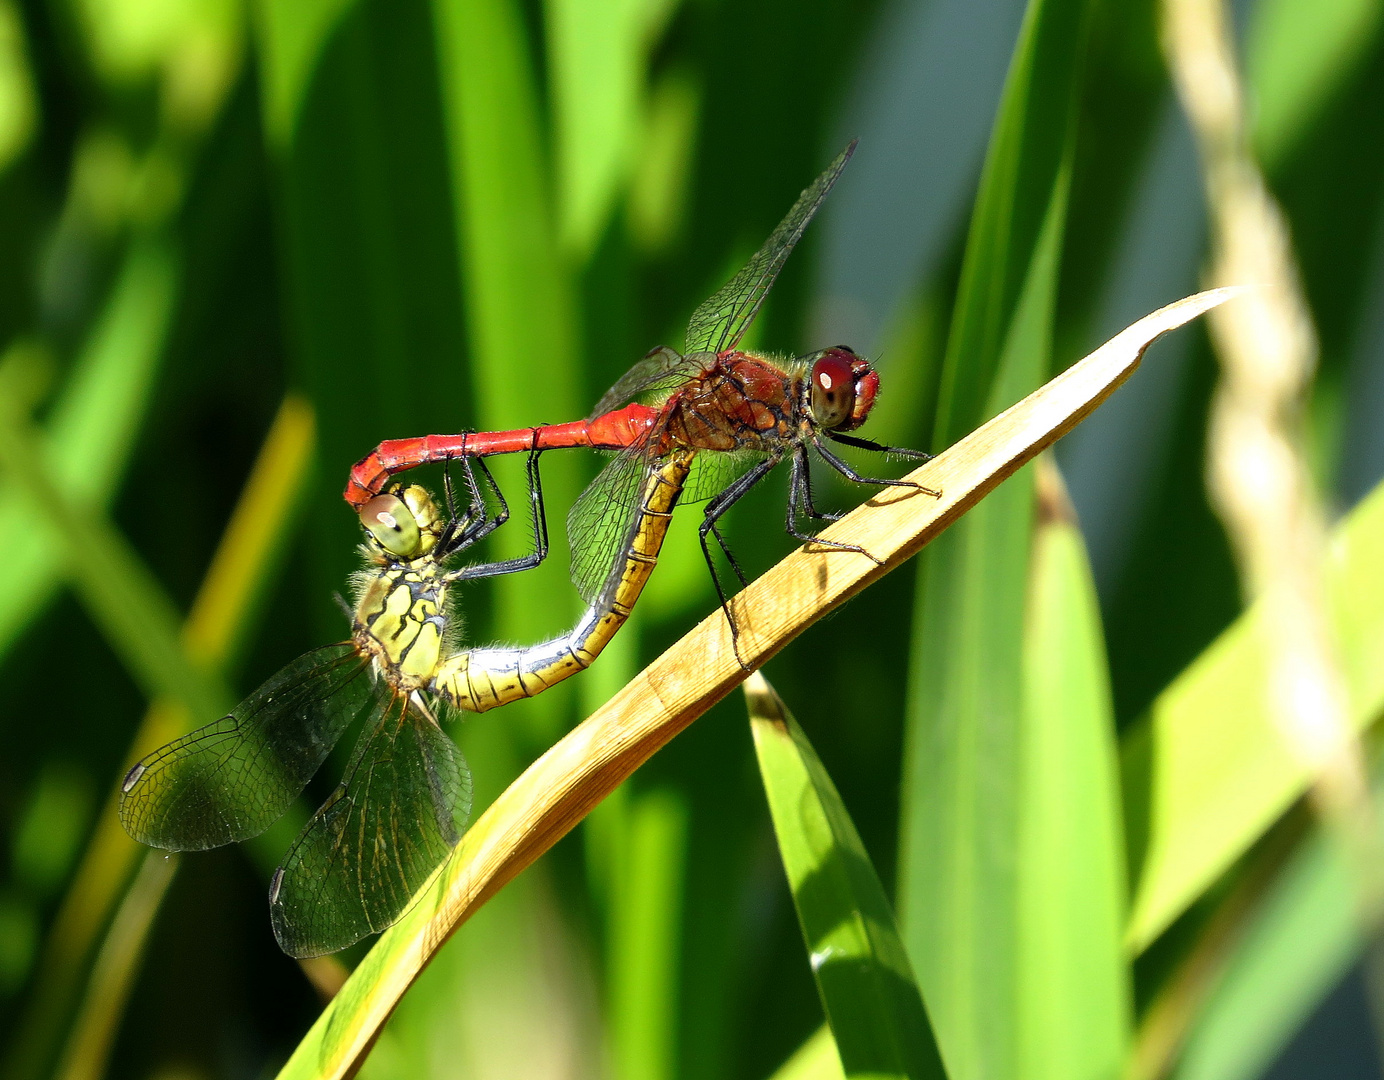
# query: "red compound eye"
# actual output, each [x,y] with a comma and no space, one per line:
[833,388]
[866,389]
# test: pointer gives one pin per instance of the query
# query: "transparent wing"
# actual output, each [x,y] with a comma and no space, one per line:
[398,812]
[712,473]
[601,523]
[235,777]
[661,371]
[721,322]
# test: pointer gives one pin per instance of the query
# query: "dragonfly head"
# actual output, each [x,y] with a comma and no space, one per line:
[843,388]
[403,524]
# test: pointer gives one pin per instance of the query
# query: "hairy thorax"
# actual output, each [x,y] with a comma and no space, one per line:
[740,403]
[399,623]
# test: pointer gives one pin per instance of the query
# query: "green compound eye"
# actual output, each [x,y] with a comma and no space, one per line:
[392,524]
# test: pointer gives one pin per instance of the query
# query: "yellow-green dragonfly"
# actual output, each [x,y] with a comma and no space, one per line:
[405,796]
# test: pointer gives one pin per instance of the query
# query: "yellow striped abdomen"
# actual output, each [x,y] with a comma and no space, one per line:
[481,679]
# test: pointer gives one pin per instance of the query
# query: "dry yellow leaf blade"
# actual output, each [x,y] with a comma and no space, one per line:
[562,786]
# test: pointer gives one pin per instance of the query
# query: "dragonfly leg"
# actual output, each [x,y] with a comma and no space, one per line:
[448,495]
[878,448]
[475,524]
[458,532]
[801,489]
[539,525]
[712,513]
[850,474]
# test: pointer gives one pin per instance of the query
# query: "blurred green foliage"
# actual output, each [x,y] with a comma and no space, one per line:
[424,215]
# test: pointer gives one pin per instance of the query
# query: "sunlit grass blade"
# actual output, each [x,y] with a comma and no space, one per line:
[250,547]
[960,815]
[1075,998]
[1293,950]
[816,1059]
[90,434]
[596,52]
[866,984]
[1210,770]
[559,789]
[645,937]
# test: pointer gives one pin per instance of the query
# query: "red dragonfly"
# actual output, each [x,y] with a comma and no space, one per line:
[736,406]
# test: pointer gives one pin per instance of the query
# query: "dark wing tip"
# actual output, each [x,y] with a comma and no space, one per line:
[132,777]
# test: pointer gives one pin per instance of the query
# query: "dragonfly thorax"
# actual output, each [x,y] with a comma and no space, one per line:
[398,616]
[399,624]
[744,402]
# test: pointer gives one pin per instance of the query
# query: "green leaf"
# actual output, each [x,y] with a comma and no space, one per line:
[370,279]
[1074,984]
[1296,946]
[17,107]
[863,975]
[961,805]
[90,434]
[816,1059]
[1299,54]
[1026,165]
[121,595]
[292,37]
[645,924]
[250,548]
[596,57]
[1209,769]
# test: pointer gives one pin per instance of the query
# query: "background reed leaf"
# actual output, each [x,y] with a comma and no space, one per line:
[1296,946]
[1075,996]
[1213,753]
[958,891]
[92,427]
[871,999]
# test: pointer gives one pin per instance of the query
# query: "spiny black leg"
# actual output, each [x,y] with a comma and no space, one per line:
[714,509]
[879,448]
[487,524]
[730,555]
[802,489]
[790,521]
[538,518]
[448,495]
[540,531]
[850,474]
[457,525]
[802,477]
[718,506]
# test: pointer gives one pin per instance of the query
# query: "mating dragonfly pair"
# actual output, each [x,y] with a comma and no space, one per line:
[406,792]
